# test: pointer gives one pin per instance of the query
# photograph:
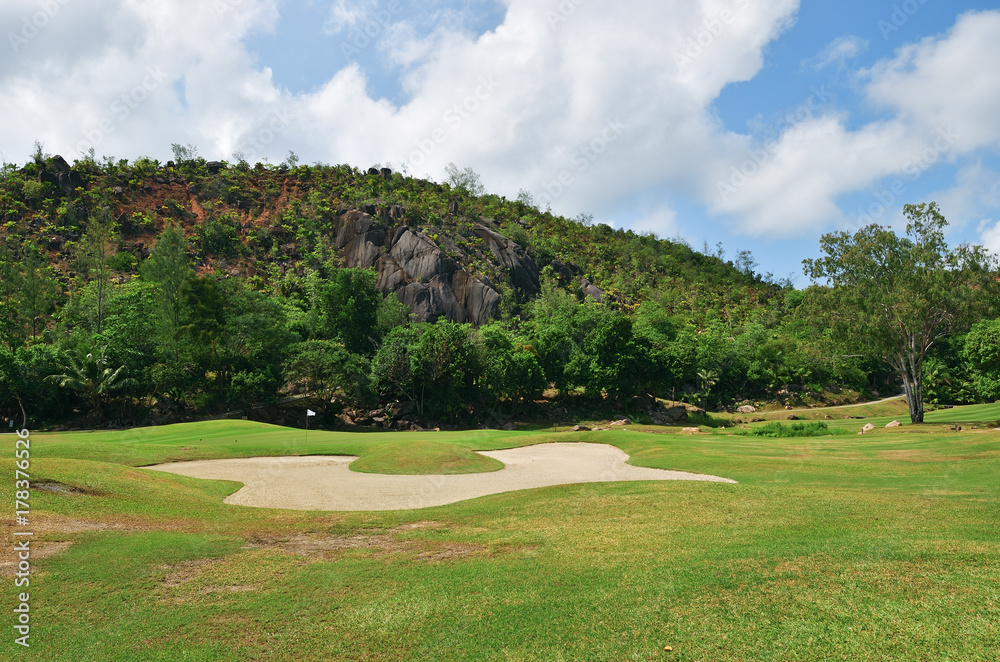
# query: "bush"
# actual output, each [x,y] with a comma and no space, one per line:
[775,429]
[123,261]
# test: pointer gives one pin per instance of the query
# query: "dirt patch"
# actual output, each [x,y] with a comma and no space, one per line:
[55,487]
[327,547]
[39,550]
[184,572]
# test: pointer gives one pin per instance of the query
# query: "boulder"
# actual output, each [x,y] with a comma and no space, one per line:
[746,409]
[624,421]
[386,173]
[691,430]
[867,428]
[893,424]
[60,174]
[580,428]
[591,291]
[397,409]
[214,167]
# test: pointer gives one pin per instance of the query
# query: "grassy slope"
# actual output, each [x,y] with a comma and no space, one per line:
[881,547]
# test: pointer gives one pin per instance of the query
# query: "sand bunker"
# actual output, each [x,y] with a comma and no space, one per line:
[326,482]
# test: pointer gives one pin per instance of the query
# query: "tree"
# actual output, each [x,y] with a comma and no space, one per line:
[895,297]
[88,373]
[467,179]
[349,305]
[323,367]
[95,249]
[39,289]
[168,267]
[511,369]
[981,352]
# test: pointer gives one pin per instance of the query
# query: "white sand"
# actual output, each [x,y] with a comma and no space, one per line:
[326,482]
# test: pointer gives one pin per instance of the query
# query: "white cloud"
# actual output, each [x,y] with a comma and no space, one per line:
[947,82]
[989,235]
[838,52]
[346,14]
[941,112]
[590,104]
[974,195]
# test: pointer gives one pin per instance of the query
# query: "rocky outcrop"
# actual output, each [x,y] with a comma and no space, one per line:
[60,174]
[359,240]
[523,270]
[432,284]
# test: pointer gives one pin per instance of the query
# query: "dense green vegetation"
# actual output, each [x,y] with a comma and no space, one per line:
[159,292]
[882,547]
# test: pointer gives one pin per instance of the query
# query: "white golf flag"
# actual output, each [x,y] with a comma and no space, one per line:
[310,412]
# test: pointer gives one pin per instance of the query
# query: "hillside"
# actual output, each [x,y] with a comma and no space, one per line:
[443,251]
[207,286]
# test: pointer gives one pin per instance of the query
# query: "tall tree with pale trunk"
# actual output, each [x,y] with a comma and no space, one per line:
[896,296]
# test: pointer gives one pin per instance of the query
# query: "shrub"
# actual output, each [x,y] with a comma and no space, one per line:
[775,429]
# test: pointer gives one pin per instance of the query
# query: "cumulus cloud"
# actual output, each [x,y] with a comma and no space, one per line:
[588,105]
[792,184]
[974,195]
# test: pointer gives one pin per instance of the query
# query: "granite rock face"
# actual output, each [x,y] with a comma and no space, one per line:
[433,277]
[432,284]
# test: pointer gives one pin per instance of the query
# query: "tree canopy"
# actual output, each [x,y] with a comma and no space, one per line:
[896,296]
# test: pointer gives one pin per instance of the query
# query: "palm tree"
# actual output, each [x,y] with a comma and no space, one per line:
[88,374]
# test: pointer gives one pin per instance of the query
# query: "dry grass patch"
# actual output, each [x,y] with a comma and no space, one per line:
[329,547]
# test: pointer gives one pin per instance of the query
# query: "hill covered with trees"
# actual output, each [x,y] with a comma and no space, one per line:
[140,292]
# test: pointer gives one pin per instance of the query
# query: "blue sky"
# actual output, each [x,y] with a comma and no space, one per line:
[760,125]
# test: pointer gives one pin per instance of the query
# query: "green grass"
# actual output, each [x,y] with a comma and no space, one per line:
[972,414]
[875,547]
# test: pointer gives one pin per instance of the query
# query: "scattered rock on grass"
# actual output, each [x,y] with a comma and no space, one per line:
[867,428]
[580,428]
[692,430]
[893,424]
